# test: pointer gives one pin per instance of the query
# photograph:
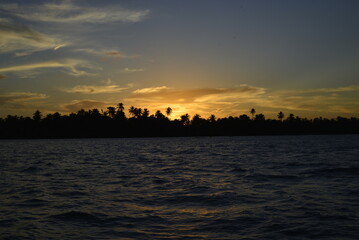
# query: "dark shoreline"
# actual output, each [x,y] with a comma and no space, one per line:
[115,124]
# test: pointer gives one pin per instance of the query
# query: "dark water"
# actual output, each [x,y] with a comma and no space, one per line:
[274,187]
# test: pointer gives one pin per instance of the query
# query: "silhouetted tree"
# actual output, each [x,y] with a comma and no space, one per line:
[57,115]
[290,117]
[132,111]
[185,119]
[93,123]
[37,116]
[159,115]
[95,113]
[111,111]
[244,118]
[145,113]
[260,118]
[168,111]
[138,112]
[280,116]
[120,115]
[212,118]
[120,107]
[196,119]
[253,111]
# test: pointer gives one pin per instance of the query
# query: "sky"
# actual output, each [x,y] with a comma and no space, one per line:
[197,57]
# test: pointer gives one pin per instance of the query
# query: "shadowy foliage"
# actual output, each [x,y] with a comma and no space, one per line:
[113,122]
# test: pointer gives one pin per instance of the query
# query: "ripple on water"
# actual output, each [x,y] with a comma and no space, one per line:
[274,187]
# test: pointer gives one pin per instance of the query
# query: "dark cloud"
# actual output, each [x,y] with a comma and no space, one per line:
[2,76]
[20,97]
[113,54]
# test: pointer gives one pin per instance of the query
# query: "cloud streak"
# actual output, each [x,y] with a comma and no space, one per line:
[133,70]
[196,95]
[73,66]
[205,101]
[68,12]
[24,40]
[20,97]
[235,101]
[93,89]
[105,53]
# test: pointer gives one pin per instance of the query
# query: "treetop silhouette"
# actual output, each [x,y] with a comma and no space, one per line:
[113,122]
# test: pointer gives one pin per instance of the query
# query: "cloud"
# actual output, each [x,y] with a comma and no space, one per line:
[204,101]
[235,101]
[339,89]
[105,53]
[69,12]
[164,93]
[2,76]
[20,97]
[74,66]
[114,54]
[323,90]
[24,40]
[151,90]
[92,89]
[76,105]
[314,100]
[133,70]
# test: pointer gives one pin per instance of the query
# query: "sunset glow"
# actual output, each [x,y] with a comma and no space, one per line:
[197,57]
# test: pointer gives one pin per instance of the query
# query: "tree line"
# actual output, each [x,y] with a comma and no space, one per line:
[113,122]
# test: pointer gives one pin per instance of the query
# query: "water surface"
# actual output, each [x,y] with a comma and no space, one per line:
[269,187]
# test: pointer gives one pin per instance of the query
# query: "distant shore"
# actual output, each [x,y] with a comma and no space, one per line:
[114,123]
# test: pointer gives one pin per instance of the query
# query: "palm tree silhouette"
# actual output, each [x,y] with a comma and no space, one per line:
[185,119]
[212,118]
[168,111]
[280,116]
[159,115]
[253,111]
[132,111]
[37,116]
[120,107]
[111,111]
[145,113]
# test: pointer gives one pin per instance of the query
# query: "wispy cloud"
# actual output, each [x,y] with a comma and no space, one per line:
[69,12]
[133,70]
[323,90]
[105,53]
[235,101]
[23,40]
[114,54]
[19,98]
[339,89]
[75,67]
[314,100]
[197,95]
[205,101]
[93,89]
[151,90]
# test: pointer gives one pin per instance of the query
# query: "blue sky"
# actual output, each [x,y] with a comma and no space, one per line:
[220,57]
